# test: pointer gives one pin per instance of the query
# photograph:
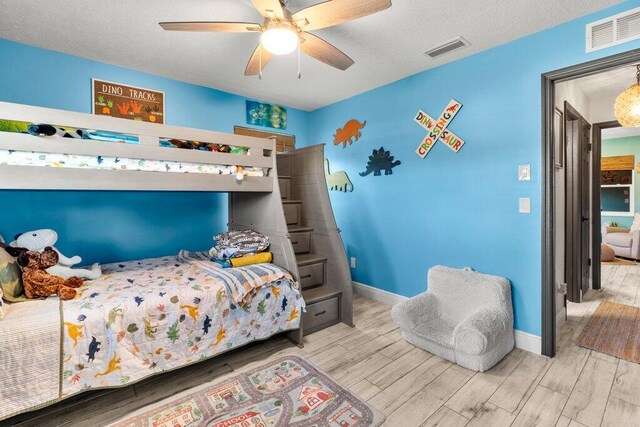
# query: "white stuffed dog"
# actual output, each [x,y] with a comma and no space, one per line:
[39,239]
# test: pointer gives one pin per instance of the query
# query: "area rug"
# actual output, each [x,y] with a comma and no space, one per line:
[288,391]
[614,329]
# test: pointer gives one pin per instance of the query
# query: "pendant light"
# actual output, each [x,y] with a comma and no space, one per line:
[627,106]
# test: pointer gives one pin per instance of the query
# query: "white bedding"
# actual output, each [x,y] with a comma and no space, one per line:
[139,319]
[29,355]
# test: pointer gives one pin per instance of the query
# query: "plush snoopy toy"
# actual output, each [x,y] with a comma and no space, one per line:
[39,239]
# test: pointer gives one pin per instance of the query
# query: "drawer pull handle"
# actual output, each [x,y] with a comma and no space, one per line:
[321,313]
[294,243]
[306,276]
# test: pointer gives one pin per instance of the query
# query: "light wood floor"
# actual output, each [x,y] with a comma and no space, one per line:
[414,388]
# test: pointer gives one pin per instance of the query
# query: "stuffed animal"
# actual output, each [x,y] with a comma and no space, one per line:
[37,282]
[38,240]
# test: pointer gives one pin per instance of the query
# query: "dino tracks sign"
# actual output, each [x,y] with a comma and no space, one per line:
[438,129]
[127,102]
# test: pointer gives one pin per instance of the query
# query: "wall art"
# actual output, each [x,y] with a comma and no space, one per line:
[437,129]
[380,160]
[349,133]
[127,102]
[338,180]
[266,115]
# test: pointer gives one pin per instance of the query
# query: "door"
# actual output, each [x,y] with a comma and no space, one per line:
[578,203]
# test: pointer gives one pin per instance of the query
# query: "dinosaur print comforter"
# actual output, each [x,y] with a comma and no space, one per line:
[144,317]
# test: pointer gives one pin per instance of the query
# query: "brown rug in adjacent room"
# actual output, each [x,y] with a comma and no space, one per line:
[288,391]
[614,329]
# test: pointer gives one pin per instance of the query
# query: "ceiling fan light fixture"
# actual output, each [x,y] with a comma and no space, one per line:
[279,39]
[627,106]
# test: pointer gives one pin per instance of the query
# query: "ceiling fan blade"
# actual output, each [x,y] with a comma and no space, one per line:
[269,8]
[334,12]
[324,51]
[224,27]
[253,67]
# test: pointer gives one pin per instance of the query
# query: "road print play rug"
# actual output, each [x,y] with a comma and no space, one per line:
[287,392]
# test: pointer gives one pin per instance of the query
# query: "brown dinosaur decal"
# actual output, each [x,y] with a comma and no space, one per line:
[349,131]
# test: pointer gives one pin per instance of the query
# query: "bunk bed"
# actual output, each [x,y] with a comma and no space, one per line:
[144,317]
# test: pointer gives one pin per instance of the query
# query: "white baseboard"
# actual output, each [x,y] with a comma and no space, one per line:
[524,340]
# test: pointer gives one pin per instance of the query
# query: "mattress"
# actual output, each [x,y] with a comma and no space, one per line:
[139,319]
[59,160]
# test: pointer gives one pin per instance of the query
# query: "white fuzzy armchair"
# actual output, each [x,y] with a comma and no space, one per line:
[625,242]
[465,317]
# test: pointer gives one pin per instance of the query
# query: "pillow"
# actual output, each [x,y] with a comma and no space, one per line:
[636,222]
[10,278]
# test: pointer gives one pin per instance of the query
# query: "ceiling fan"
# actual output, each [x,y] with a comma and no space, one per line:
[282,31]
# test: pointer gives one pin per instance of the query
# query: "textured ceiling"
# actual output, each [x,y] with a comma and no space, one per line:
[608,84]
[386,47]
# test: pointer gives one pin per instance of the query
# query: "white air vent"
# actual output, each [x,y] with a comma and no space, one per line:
[452,45]
[614,30]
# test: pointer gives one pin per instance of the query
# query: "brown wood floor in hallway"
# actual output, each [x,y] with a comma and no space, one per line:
[414,388]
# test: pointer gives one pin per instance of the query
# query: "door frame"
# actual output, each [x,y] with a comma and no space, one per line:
[549,80]
[596,214]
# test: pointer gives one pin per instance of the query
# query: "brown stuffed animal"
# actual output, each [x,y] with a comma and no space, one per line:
[36,281]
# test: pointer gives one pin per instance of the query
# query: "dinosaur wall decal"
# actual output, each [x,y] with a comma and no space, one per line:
[380,160]
[337,180]
[350,133]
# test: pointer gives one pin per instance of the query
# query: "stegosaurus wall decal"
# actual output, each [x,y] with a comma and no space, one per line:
[380,160]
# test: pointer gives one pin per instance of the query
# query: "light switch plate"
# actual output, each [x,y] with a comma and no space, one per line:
[524,172]
[524,205]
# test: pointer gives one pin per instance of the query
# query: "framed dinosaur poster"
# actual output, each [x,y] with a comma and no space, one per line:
[127,102]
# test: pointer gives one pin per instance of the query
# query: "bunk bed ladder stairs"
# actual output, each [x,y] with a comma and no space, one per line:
[325,298]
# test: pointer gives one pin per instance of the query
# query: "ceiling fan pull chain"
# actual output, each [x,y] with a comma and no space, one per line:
[260,63]
[299,74]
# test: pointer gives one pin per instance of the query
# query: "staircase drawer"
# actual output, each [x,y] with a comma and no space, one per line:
[321,315]
[311,275]
[301,242]
[292,213]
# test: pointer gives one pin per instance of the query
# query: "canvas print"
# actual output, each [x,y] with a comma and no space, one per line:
[267,115]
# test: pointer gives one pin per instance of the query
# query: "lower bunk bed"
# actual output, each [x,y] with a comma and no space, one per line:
[139,319]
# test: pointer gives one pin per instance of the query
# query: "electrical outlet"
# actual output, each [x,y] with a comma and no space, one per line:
[353,262]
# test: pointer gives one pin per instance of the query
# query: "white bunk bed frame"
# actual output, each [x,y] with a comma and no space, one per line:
[261,154]
[254,202]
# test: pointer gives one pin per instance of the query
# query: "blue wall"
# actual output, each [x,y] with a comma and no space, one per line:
[623,147]
[454,209]
[115,226]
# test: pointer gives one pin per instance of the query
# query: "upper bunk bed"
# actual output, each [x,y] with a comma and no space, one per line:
[105,153]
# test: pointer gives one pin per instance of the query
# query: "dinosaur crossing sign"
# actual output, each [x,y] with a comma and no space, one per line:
[438,129]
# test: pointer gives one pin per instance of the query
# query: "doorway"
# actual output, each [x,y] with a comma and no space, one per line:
[581,260]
